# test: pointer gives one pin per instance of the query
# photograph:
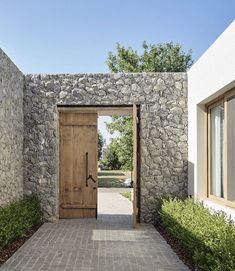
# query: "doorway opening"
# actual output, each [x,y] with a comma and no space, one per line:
[95,179]
[115,185]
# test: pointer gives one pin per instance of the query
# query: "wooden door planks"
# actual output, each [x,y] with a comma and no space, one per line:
[78,135]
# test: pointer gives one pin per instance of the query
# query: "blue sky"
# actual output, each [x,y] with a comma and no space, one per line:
[102,120]
[73,36]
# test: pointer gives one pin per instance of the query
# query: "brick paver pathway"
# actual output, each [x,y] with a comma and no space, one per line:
[106,244]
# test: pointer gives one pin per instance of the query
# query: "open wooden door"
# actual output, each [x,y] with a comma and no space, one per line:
[134,166]
[78,165]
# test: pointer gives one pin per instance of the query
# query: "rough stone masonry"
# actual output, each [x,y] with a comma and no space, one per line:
[11,131]
[162,98]
[29,130]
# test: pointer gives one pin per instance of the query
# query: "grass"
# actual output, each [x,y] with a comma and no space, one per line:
[116,170]
[112,178]
[119,174]
[126,195]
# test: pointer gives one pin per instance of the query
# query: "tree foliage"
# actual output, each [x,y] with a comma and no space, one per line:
[161,57]
[101,142]
[122,144]
[112,161]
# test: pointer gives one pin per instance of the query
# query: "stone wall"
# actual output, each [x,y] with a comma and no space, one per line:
[11,131]
[163,129]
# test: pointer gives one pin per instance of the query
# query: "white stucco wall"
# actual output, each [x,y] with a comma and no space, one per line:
[210,76]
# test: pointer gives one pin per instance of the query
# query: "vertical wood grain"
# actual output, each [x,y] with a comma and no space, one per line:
[78,135]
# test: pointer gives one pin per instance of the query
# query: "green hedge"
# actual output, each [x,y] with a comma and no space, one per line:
[209,237]
[19,217]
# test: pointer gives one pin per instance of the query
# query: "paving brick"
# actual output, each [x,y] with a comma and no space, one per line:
[108,243]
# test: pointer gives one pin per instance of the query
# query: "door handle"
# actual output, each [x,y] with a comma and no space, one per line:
[88,176]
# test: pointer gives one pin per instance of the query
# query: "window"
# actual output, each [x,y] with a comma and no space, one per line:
[231,147]
[217,150]
[221,149]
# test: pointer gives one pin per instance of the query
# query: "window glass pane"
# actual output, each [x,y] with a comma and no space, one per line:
[231,148]
[217,138]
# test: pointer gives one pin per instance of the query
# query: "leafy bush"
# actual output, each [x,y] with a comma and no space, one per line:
[209,237]
[18,217]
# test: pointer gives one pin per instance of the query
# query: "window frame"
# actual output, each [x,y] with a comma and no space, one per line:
[223,99]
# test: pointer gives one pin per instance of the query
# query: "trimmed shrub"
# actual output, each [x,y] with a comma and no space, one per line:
[209,237]
[19,217]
